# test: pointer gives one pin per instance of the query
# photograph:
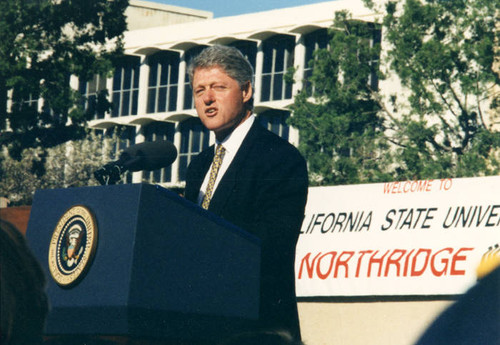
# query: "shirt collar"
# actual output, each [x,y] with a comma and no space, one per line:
[233,141]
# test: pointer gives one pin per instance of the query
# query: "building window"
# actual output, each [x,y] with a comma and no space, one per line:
[275,121]
[25,102]
[126,87]
[163,79]
[94,95]
[188,91]
[278,57]
[248,49]
[194,139]
[315,40]
[157,131]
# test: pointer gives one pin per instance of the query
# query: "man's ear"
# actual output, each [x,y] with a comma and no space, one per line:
[247,91]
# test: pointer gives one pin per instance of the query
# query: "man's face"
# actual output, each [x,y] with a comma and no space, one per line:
[219,100]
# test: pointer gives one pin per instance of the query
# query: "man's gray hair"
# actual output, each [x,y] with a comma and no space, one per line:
[229,59]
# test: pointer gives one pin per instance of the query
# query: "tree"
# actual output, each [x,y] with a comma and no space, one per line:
[444,53]
[341,132]
[44,42]
[71,164]
[435,125]
[17,180]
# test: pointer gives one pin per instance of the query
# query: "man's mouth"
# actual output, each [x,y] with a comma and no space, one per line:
[210,111]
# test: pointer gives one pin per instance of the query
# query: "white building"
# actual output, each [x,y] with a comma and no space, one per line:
[150,90]
[145,14]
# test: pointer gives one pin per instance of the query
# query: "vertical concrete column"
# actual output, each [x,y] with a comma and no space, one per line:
[182,79]
[259,65]
[300,61]
[177,144]
[109,87]
[142,102]
[300,64]
[139,138]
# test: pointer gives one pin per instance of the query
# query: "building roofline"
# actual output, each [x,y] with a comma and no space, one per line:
[171,8]
[245,26]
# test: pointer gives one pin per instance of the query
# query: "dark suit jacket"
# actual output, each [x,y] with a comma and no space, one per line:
[264,192]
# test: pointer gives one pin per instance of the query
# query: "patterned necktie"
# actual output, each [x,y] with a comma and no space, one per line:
[219,155]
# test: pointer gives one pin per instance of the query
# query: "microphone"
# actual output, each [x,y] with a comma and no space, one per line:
[144,156]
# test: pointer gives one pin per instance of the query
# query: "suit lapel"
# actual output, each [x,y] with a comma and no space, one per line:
[206,162]
[228,181]
[199,169]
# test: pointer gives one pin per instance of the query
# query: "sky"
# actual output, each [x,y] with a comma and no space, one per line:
[224,8]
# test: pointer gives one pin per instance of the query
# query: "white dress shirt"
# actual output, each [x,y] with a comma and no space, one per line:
[232,144]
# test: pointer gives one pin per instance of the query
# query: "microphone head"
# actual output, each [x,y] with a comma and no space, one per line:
[149,155]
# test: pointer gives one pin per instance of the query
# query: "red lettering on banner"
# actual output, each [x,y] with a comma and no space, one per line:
[379,261]
[330,267]
[445,261]
[445,184]
[362,253]
[404,187]
[344,263]
[456,258]
[414,271]
[407,261]
[394,262]
[309,266]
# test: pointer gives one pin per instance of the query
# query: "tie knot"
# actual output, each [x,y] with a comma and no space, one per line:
[220,150]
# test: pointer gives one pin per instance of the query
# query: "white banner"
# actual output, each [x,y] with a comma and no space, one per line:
[397,238]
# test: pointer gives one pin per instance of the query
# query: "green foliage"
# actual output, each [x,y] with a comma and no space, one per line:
[444,52]
[436,125]
[340,129]
[43,43]
[18,179]
[71,164]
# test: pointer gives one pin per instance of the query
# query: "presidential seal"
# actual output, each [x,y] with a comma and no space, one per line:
[72,246]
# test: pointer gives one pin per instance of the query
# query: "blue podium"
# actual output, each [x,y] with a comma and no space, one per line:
[138,260]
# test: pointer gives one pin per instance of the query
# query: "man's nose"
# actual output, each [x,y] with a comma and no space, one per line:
[209,96]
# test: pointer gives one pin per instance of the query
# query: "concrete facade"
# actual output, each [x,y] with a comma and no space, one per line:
[145,14]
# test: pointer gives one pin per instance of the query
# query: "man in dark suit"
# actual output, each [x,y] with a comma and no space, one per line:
[257,180]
